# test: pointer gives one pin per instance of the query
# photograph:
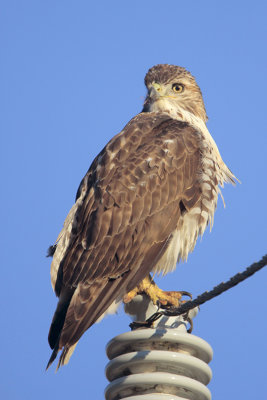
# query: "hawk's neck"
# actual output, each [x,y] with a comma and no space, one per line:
[209,145]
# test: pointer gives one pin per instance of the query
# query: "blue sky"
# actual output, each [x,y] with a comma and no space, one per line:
[71,77]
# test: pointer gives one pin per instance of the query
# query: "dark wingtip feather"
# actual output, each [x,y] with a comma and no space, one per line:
[51,250]
[53,357]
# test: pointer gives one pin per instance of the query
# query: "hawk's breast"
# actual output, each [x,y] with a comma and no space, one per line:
[192,223]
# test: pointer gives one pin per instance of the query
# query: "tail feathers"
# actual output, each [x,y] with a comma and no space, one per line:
[53,355]
[59,317]
[57,325]
[64,356]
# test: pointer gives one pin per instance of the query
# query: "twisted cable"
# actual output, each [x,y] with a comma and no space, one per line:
[204,297]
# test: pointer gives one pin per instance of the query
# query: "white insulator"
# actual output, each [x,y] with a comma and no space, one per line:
[160,363]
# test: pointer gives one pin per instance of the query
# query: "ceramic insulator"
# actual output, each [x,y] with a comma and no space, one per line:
[160,363]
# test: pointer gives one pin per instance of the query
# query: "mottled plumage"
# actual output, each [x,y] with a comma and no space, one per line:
[140,208]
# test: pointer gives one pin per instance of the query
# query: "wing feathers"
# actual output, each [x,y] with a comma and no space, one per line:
[129,209]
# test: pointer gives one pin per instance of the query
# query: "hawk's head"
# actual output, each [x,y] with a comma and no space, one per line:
[174,90]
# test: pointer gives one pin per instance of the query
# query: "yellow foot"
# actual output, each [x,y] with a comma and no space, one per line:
[157,296]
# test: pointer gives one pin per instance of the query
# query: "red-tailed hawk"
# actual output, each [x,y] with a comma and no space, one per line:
[141,206]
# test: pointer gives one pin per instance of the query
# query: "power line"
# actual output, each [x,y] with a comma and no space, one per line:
[204,297]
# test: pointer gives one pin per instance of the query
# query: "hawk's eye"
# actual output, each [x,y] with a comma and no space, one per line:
[177,87]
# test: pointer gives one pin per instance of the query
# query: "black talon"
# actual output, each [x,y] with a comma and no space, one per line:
[184,293]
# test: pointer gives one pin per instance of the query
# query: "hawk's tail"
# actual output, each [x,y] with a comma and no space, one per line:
[58,323]
[64,357]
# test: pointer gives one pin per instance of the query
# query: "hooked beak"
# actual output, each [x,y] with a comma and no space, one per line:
[155,90]
[157,87]
[155,93]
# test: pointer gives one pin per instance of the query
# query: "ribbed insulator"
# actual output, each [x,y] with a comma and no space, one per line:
[163,363]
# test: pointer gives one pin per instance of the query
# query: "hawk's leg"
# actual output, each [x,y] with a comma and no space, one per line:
[157,296]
